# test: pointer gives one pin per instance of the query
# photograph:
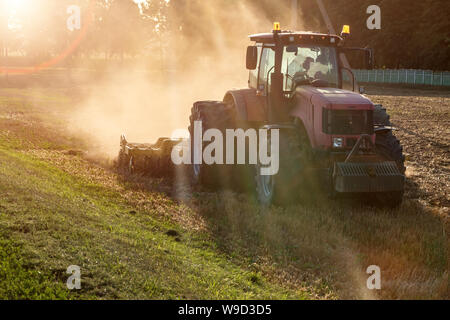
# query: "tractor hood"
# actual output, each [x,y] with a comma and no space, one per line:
[334,98]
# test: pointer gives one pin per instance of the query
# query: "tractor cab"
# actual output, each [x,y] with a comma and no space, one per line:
[300,58]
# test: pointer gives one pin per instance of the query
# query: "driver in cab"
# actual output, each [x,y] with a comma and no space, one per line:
[306,69]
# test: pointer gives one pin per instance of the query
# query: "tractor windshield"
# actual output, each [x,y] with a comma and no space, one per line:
[309,63]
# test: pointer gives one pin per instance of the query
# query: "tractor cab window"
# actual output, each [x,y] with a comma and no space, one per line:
[266,68]
[308,64]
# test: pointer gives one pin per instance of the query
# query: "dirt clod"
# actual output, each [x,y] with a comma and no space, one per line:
[172,233]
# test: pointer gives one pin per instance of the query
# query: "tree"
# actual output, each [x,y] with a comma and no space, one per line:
[414,34]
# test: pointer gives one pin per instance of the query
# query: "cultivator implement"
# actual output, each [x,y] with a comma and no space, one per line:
[147,159]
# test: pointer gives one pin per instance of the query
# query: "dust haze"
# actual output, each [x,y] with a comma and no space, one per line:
[145,103]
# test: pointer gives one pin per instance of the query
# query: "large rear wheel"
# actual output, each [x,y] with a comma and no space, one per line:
[290,183]
[212,115]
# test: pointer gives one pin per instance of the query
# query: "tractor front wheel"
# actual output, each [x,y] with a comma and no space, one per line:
[388,146]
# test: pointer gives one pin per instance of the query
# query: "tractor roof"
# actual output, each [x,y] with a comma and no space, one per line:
[298,37]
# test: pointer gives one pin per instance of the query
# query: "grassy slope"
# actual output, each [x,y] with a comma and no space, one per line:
[228,248]
[50,220]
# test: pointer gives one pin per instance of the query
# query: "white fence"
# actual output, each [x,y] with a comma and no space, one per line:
[404,76]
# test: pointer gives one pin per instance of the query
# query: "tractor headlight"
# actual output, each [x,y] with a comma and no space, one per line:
[338,142]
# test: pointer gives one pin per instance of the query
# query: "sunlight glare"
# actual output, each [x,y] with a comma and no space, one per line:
[15,5]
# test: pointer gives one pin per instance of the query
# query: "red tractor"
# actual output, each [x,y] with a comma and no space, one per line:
[330,137]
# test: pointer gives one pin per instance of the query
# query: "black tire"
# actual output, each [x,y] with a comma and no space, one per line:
[380,116]
[291,183]
[213,115]
[389,147]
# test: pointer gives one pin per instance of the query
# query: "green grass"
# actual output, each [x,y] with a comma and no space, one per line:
[19,280]
[50,220]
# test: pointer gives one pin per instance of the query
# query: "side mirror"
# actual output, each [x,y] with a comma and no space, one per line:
[252,57]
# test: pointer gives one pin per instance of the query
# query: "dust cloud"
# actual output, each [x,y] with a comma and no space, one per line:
[145,103]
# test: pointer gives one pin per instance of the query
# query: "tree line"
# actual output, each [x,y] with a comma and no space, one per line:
[413,34]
